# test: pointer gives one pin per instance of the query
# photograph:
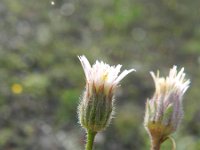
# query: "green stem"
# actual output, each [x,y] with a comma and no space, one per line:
[90,139]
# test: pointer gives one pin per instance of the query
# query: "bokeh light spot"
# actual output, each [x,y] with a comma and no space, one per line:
[52,3]
[17,88]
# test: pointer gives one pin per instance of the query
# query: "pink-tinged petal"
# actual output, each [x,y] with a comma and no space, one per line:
[122,75]
[86,66]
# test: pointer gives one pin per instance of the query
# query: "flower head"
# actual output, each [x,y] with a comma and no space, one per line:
[102,75]
[164,110]
[96,107]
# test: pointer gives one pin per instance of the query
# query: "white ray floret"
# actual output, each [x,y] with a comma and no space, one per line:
[102,74]
[175,82]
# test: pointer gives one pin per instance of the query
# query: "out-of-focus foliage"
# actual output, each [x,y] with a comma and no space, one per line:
[41,79]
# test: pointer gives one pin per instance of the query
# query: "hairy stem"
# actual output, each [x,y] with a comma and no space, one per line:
[90,139]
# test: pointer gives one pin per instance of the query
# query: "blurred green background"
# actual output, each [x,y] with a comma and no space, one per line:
[41,78]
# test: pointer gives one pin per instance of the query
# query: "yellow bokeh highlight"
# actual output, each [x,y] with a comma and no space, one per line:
[17,88]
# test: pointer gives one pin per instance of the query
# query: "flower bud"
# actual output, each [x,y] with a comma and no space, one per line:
[96,107]
[164,110]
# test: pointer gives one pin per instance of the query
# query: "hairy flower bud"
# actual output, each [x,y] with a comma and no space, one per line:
[164,110]
[96,106]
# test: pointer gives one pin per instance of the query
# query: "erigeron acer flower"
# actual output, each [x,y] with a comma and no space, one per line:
[164,110]
[96,106]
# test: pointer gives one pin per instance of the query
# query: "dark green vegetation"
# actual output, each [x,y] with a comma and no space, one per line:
[41,78]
